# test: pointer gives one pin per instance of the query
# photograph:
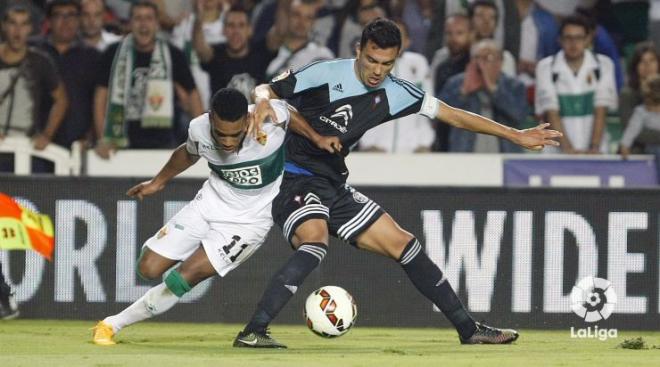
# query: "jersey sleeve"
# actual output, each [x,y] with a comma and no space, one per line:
[192,142]
[405,99]
[289,83]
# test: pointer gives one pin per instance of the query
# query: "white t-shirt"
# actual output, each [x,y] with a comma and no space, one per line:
[286,60]
[408,133]
[182,38]
[248,180]
[576,96]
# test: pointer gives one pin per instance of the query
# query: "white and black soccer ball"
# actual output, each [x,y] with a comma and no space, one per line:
[330,311]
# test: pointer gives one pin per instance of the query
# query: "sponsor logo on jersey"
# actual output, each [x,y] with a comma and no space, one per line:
[338,88]
[281,76]
[340,118]
[246,176]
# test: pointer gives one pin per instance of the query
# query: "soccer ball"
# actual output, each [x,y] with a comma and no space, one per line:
[330,311]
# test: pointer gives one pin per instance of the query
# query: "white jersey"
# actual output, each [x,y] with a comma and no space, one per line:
[576,95]
[248,180]
[286,59]
[231,215]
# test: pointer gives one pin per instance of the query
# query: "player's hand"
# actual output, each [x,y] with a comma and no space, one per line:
[40,142]
[262,111]
[625,152]
[145,188]
[103,149]
[330,144]
[536,138]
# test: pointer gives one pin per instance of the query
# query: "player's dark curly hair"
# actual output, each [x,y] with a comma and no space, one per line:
[383,32]
[229,104]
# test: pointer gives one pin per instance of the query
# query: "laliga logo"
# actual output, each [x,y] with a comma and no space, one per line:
[593,300]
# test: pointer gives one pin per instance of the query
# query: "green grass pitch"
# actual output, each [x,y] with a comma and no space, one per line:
[67,343]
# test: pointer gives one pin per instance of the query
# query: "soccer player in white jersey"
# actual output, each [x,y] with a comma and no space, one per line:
[226,222]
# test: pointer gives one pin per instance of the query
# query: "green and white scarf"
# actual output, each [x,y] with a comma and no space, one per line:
[157,110]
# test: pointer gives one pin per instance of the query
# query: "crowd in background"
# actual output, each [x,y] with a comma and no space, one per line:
[130,74]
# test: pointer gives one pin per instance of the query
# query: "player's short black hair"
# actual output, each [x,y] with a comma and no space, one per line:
[50,8]
[229,104]
[16,8]
[383,32]
[577,20]
[143,4]
[486,3]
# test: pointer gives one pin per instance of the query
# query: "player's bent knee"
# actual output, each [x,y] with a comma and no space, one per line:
[177,284]
[148,272]
[311,231]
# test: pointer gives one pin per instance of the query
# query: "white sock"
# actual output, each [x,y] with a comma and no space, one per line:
[156,301]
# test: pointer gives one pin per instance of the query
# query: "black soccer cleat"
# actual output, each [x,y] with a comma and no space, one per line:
[255,339]
[8,306]
[489,335]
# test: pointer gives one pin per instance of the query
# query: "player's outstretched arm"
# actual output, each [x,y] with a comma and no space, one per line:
[534,138]
[300,126]
[179,161]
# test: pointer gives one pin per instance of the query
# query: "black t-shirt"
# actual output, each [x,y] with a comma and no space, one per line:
[27,86]
[152,138]
[246,72]
[336,103]
[77,67]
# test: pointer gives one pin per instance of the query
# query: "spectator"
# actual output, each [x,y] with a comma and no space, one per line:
[574,89]
[297,49]
[486,90]
[172,12]
[413,133]
[455,55]
[212,27]
[417,14]
[347,24]
[536,32]
[654,22]
[447,62]
[238,63]
[91,25]
[76,64]
[484,16]
[646,115]
[140,79]
[27,79]
[645,64]
[36,11]
[603,44]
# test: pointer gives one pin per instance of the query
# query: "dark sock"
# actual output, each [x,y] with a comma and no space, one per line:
[430,281]
[285,283]
[4,287]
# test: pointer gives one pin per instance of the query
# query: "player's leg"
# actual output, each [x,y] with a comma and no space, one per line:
[175,242]
[386,237]
[303,219]
[8,305]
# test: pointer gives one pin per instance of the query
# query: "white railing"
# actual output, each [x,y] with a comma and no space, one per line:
[66,162]
[375,169]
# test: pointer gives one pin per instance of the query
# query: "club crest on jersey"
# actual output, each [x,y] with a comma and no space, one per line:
[262,137]
[360,197]
[162,233]
[282,75]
